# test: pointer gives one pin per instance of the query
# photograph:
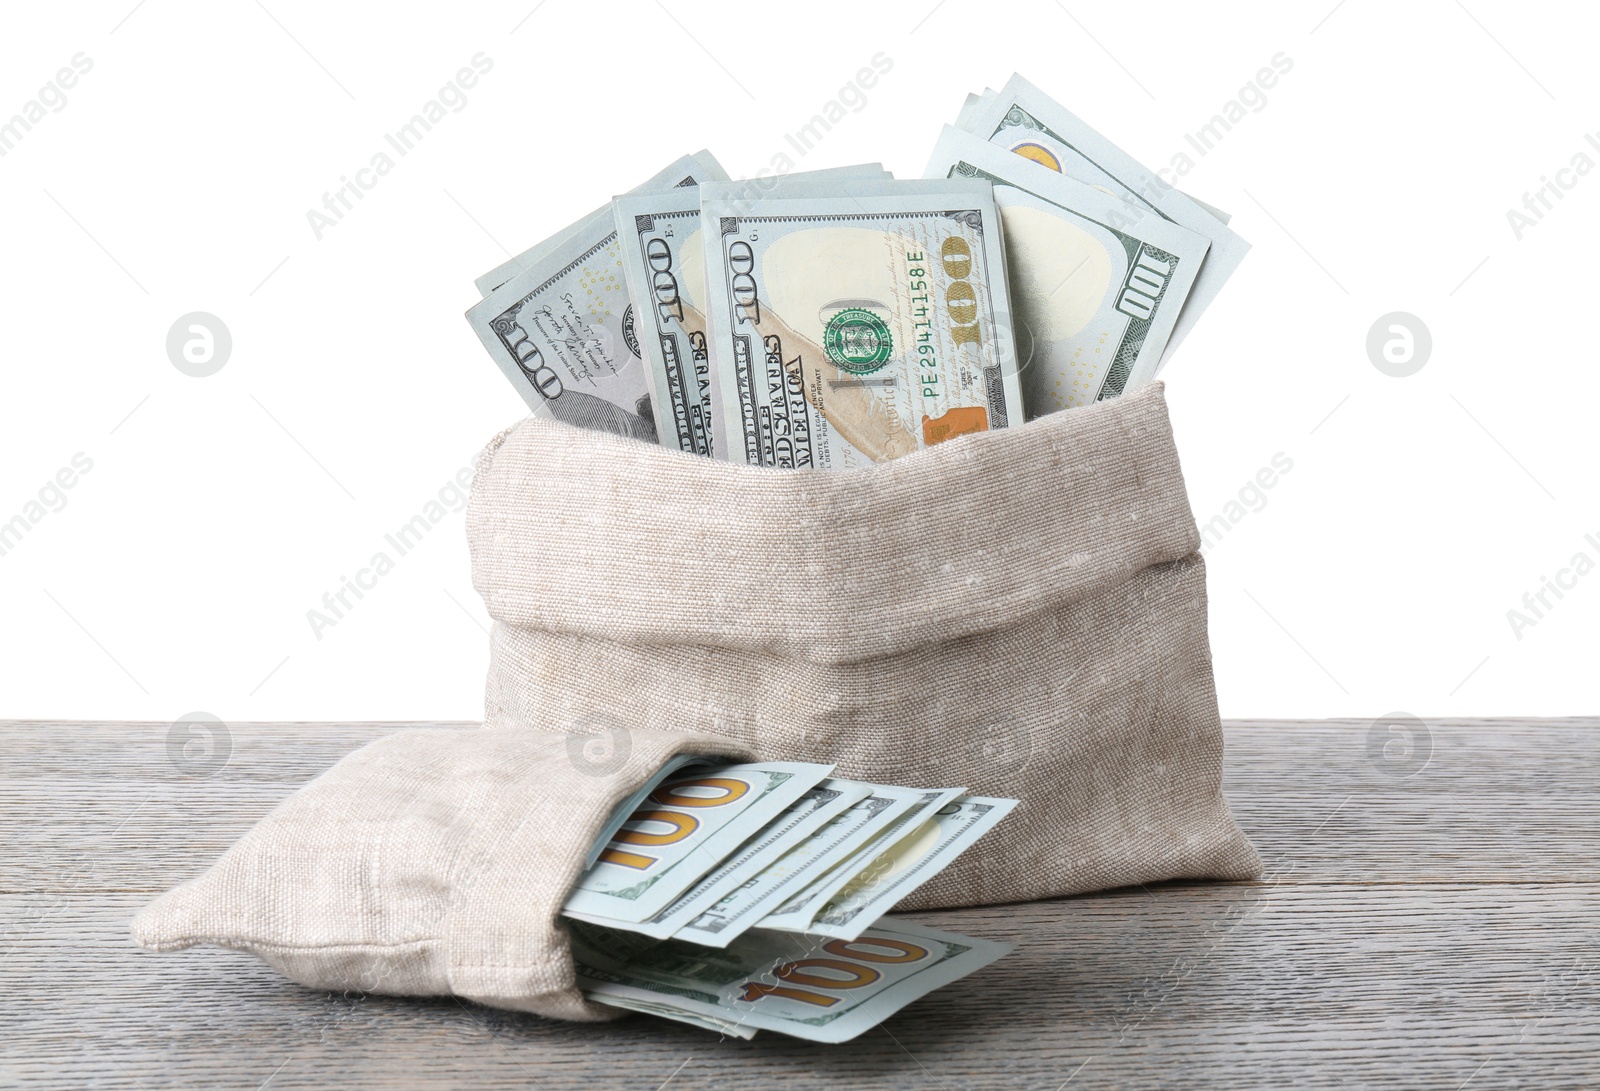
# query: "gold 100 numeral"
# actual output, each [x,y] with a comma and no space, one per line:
[680,825]
[959,299]
[851,954]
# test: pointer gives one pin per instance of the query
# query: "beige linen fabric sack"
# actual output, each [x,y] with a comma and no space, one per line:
[429,863]
[1022,612]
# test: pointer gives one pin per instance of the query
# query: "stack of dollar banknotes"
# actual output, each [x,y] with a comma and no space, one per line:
[833,319]
[748,897]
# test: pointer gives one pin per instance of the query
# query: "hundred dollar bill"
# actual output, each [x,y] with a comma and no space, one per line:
[685,828]
[804,863]
[857,327]
[1024,120]
[822,991]
[563,334]
[796,914]
[690,170]
[663,261]
[1095,303]
[974,103]
[796,823]
[907,864]
[562,328]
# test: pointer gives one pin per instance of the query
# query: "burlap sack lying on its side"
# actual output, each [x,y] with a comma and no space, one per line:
[1022,612]
[428,863]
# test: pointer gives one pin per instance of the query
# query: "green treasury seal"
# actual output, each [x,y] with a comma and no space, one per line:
[857,340]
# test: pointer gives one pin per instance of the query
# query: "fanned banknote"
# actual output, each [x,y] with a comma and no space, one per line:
[563,331]
[657,929]
[685,828]
[663,262]
[824,991]
[905,865]
[858,326]
[689,170]
[974,103]
[797,913]
[805,862]
[1024,120]
[1095,304]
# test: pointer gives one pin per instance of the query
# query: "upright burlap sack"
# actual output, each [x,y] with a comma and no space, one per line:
[1022,612]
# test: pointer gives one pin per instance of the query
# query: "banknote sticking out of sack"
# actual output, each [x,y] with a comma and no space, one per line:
[750,897]
[436,861]
[839,318]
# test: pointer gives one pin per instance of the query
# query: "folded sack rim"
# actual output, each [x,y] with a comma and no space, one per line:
[554,507]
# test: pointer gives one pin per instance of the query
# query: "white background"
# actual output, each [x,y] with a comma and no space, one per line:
[1376,178]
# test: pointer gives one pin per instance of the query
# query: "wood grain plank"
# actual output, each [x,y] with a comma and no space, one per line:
[1433,930]
[1259,986]
[102,807]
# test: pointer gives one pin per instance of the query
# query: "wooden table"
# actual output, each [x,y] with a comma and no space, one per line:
[1421,927]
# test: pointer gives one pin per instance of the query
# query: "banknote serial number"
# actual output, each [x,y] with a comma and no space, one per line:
[960,307]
